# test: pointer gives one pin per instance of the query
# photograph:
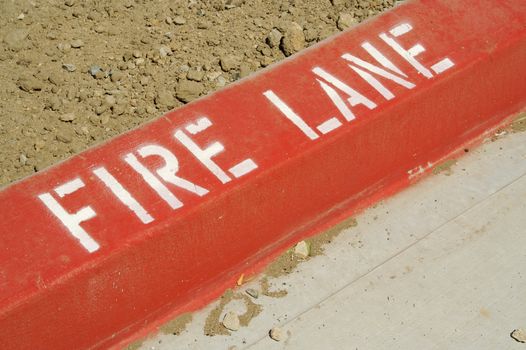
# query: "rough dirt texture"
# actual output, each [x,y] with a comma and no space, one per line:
[75,73]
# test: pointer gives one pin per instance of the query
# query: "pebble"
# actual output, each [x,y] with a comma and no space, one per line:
[302,250]
[23,159]
[274,38]
[54,103]
[69,3]
[203,25]
[253,293]
[63,137]
[165,51]
[276,334]
[16,39]
[77,44]
[346,21]
[116,76]
[165,98]
[188,90]
[244,70]
[221,81]
[293,39]
[96,72]
[228,63]
[69,67]
[519,335]
[195,75]
[179,20]
[29,84]
[21,16]
[110,100]
[68,117]
[231,321]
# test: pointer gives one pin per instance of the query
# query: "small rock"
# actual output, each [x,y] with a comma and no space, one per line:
[16,39]
[244,70]
[69,67]
[23,159]
[195,75]
[29,84]
[274,38]
[54,78]
[168,20]
[221,81]
[68,117]
[165,51]
[203,25]
[519,335]
[293,39]
[99,29]
[54,103]
[21,16]
[302,250]
[69,3]
[228,63]
[231,321]
[116,76]
[276,334]
[77,44]
[63,137]
[94,69]
[179,20]
[109,100]
[188,90]
[346,21]
[165,98]
[253,293]
[101,109]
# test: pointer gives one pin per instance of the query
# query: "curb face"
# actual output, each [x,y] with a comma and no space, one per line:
[160,217]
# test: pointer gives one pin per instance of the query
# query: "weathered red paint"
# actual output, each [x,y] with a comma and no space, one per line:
[55,294]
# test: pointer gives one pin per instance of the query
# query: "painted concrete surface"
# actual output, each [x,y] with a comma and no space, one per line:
[441,265]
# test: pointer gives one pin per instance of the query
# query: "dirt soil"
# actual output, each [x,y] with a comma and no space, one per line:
[75,73]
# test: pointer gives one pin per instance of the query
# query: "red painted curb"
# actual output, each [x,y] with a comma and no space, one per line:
[161,216]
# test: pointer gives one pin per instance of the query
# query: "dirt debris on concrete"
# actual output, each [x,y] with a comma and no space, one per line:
[519,124]
[445,167]
[288,261]
[215,326]
[109,66]
[177,325]
[277,334]
[519,335]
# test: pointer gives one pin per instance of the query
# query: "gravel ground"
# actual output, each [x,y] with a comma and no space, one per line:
[75,73]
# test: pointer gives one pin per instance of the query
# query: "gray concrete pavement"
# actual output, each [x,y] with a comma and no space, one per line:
[441,265]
